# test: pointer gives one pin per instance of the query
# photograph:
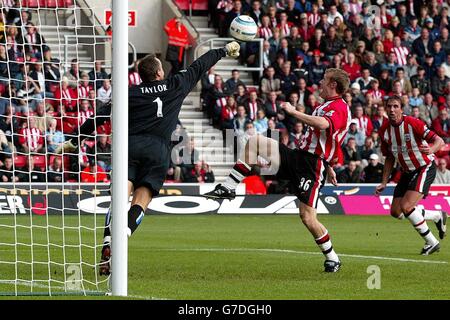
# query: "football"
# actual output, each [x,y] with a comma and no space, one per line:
[243,28]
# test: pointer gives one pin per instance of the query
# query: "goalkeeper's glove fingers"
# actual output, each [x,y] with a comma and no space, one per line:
[232,49]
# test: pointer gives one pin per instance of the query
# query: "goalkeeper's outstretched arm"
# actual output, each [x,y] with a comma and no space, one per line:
[188,78]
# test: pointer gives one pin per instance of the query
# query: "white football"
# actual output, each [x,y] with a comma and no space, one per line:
[243,28]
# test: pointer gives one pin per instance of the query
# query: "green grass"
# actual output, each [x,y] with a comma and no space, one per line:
[213,257]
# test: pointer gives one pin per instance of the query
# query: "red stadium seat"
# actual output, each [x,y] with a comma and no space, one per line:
[40,162]
[200,5]
[20,161]
[51,3]
[182,4]
[2,89]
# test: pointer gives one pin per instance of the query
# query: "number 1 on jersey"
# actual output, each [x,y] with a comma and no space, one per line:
[159,113]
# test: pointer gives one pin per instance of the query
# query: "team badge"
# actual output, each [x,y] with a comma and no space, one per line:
[407,137]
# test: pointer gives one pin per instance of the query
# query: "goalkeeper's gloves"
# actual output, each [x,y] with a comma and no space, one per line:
[232,49]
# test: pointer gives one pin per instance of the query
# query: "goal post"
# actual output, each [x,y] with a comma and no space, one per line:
[120,196]
[57,60]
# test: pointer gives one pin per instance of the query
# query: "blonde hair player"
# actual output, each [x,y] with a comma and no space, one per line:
[308,166]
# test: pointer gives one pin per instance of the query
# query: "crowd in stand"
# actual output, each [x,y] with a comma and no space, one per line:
[387,47]
[43,102]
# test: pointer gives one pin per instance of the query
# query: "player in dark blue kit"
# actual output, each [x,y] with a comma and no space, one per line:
[154,106]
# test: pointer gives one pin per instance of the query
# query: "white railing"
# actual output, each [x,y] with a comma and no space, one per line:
[69,37]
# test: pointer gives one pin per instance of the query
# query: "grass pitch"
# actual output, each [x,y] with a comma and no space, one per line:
[236,257]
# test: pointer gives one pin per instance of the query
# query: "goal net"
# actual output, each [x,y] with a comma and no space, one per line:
[55,66]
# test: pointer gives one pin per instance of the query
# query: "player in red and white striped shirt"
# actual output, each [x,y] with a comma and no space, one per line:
[306,167]
[407,140]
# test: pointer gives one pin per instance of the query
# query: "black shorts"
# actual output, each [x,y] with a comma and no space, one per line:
[305,171]
[418,180]
[148,161]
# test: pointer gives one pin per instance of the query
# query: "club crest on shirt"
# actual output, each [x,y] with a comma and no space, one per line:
[407,137]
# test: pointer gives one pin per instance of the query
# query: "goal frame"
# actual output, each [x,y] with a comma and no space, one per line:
[119,187]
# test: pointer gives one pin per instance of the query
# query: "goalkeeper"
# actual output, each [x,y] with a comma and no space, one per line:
[154,106]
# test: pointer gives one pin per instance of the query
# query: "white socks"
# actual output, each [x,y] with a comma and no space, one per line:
[325,245]
[237,174]
[418,221]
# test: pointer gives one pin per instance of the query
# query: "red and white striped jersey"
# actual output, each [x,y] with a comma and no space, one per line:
[313,19]
[134,79]
[84,115]
[265,33]
[83,92]
[31,137]
[365,125]
[402,54]
[403,142]
[325,143]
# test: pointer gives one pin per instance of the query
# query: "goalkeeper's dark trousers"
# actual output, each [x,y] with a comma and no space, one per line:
[103,114]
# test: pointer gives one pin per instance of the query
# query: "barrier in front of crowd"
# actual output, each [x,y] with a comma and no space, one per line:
[348,199]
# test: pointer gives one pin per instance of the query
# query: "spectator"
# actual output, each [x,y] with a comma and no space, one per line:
[7,171]
[439,82]
[401,52]
[98,74]
[104,93]
[228,113]
[316,69]
[438,53]
[253,105]
[441,125]
[55,138]
[411,66]
[84,87]
[351,174]
[103,152]
[295,137]
[286,51]
[373,173]
[272,107]
[351,67]
[364,80]
[420,81]
[51,70]
[232,83]
[261,122]
[55,170]
[134,79]
[423,45]
[74,74]
[240,121]
[368,149]
[33,41]
[270,83]
[65,97]
[379,117]
[351,152]
[31,139]
[363,122]
[405,83]
[442,173]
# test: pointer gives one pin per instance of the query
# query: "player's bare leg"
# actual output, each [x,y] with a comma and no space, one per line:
[105,261]
[256,146]
[418,217]
[320,233]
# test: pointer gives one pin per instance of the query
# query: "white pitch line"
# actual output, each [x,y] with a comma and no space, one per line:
[299,252]
[43,286]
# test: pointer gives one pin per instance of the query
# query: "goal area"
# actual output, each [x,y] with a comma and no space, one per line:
[56,71]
